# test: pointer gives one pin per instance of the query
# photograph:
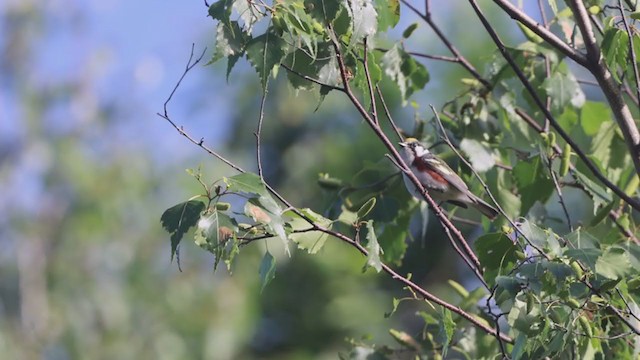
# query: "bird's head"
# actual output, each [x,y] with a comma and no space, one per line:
[413,148]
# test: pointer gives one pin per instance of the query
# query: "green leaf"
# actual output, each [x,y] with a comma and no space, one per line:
[409,30]
[447,329]
[598,194]
[267,270]
[214,231]
[249,13]
[221,10]
[364,20]
[246,183]
[394,235]
[564,90]
[311,241]
[615,45]
[533,182]
[265,210]
[374,249]
[540,238]
[405,71]
[495,251]
[581,239]
[388,14]
[301,63]
[592,115]
[481,157]
[601,143]
[375,73]
[231,41]
[178,219]
[325,11]
[264,53]
[366,208]
[614,263]
[587,257]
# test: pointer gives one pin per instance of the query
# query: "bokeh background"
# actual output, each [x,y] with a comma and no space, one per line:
[87,168]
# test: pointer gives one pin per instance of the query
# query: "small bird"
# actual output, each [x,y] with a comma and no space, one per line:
[437,177]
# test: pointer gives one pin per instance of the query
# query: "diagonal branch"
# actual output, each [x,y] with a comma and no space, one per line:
[542,31]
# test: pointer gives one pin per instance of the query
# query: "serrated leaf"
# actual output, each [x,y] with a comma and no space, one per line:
[614,263]
[325,11]
[246,183]
[564,90]
[533,182]
[231,41]
[446,331]
[394,235]
[311,241]
[601,144]
[264,53]
[374,249]
[214,229]
[221,10]
[587,257]
[615,45]
[592,115]
[178,219]
[213,233]
[249,13]
[267,270]
[598,194]
[266,211]
[405,71]
[481,158]
[495,251]
[364,20]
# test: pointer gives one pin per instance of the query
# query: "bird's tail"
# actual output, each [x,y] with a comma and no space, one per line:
[486,209]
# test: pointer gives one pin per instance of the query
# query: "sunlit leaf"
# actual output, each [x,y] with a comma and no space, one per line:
[598,194]
[481,158]
[311,241]
[388,13]
[374,249]
[364,19]
[614,263]
[246,183]
[408,74]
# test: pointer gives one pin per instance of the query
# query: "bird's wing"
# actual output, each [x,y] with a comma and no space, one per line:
[446,172]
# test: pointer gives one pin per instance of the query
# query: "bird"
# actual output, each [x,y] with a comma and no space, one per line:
[443,184]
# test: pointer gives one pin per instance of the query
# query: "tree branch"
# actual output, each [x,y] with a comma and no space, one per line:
[600,71]
[523,79]
[542,31]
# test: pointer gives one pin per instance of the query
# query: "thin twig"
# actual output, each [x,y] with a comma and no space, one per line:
[374,111]
[559,191]
[388,114]
[309,78]
[458,57]
[632,51]
[548,36]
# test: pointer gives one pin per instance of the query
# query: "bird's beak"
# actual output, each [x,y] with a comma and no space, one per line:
[403,144]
